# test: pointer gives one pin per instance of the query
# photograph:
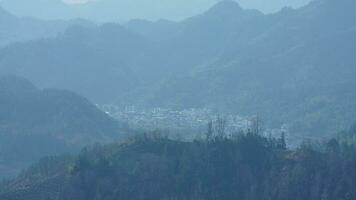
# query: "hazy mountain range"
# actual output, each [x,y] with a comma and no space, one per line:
[293,72]
[293,69]
[294,66]
[121,10]
[19,29]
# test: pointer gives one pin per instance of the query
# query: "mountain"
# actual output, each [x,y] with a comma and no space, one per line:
[288,67]
[5,16]
[294,67]
[20,29]
[249,167]
[154,30]
[82,59]
[35,123]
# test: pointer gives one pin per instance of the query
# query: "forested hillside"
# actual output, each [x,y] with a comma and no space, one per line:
[245,166]
[36,123]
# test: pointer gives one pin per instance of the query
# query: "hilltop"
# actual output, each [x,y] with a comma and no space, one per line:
[36,123]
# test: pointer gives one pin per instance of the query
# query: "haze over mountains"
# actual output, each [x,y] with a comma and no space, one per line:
[121,10]
[20,29]
[294,67]
[209,107]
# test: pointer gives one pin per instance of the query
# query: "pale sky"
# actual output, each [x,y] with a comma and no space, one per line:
[114,10]
[75,1]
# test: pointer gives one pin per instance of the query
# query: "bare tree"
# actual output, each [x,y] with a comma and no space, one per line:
[256,126]
[210,131]
[220,126]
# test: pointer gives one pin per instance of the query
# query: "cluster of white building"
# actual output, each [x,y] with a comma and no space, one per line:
[163,118]
[192,121]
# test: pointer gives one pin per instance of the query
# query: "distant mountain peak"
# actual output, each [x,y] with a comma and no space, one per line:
[226,7]
[332,3]
[5,14]
[15,84]
[342,11]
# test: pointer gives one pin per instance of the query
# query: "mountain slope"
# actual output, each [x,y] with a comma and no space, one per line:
[248,167]
[294,66]
[93,61]
[35,123]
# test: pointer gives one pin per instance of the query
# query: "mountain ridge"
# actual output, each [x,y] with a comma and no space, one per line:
[41,122]
[24,29]
[111,10]
[247,64]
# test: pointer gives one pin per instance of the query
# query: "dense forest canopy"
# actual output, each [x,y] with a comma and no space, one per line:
[245,166]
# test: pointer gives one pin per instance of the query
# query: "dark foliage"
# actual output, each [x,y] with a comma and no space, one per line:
[247,167]
[36,123]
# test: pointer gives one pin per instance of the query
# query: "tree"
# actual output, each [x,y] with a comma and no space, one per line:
[256,125]
[332,146]
[210,131]
[282,141]
[220,126]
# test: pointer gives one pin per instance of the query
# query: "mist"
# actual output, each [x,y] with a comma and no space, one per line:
[123,10]
[177,100]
